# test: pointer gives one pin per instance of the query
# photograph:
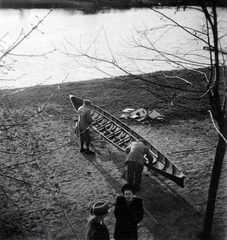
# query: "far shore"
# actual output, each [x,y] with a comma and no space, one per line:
[42,4]
[85,5]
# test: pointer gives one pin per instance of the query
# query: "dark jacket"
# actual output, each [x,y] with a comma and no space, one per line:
[127,217]
[96,231]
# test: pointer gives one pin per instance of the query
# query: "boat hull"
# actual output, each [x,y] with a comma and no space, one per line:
[120,135]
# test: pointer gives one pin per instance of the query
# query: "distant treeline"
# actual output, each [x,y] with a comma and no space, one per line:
[173,3]
[94,5]
[35,3]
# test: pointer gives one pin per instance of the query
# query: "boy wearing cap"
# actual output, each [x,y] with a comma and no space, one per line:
[96,229]
[84,123]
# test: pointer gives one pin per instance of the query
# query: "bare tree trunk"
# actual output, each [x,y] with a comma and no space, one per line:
[219,115]
[215,176]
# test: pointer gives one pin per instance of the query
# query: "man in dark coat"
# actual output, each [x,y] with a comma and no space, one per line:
[135,162]
[128,213]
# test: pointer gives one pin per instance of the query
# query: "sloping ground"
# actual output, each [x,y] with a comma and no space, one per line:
[49,189]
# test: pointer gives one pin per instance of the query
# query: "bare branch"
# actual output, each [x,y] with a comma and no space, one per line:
[184,80]
[212,119]
[21,39]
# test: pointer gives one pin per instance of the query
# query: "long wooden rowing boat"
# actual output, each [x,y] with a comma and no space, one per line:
[120,135]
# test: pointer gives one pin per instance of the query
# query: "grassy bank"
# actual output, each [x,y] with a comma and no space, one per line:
[116,94]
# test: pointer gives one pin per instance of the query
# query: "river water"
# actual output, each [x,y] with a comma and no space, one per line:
[52,52]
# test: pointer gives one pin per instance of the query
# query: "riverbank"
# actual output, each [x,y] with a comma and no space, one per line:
[53,174]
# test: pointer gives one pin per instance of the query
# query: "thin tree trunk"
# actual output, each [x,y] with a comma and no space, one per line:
[215,177]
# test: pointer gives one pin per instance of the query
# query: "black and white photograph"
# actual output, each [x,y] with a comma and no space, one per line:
[113,119]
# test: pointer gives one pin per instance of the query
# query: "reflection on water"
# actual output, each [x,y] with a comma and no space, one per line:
[107,35]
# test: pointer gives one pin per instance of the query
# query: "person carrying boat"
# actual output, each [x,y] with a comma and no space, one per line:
[96,228]
[128,213]
[135,162]
[84,122]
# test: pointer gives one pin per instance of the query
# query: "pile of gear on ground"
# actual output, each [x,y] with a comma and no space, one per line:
[141,115]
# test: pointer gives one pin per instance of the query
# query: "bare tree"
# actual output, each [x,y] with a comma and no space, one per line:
[22,152]
[218,99]
[210,85]
[16,148]
[7,51]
